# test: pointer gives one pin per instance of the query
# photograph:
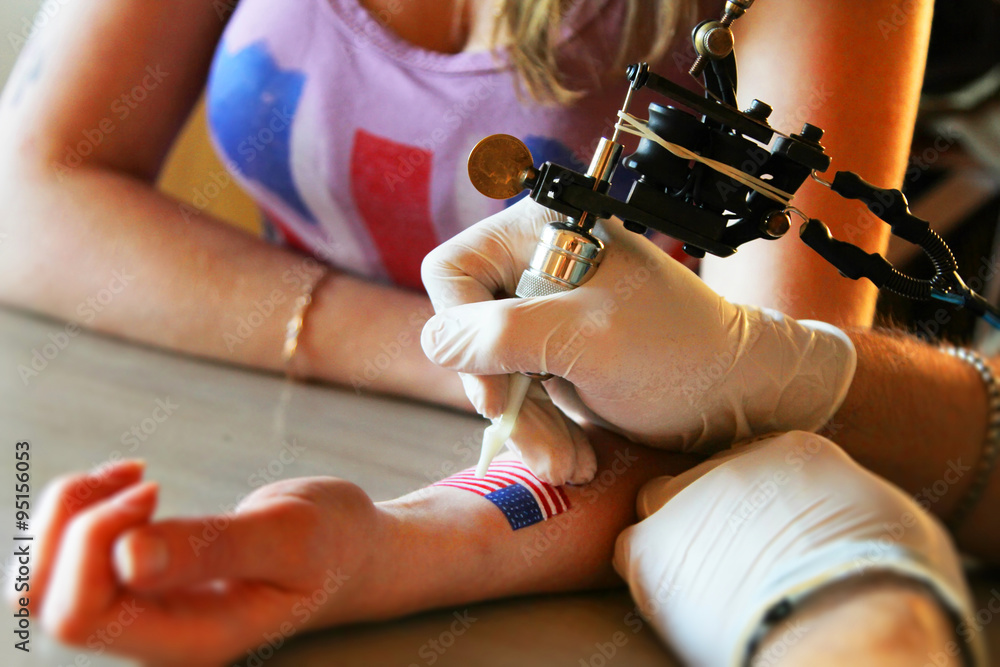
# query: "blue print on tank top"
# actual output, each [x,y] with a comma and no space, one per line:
[251,107]
[544,149]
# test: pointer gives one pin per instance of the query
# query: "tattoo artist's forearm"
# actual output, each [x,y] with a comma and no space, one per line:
[918,417]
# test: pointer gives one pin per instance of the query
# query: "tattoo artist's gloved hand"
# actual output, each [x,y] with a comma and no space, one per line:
[645,347]
[728,541]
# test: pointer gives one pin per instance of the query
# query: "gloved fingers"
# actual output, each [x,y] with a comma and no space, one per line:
[659,491]
[565,396]
[767,452]
[507,336]
[486,392]
[487,259]
[554,448]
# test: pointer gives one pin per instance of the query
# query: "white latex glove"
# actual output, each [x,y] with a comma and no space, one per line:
[651,351]
[772,521]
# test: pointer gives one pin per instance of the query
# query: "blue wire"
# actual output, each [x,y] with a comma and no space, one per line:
[953,299]
[990,316]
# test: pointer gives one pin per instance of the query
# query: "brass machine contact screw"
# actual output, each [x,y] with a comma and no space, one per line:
[713,40]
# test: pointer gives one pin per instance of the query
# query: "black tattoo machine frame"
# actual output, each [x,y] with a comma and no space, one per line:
[714,177]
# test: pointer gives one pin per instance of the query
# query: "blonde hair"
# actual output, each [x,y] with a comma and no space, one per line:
[532,30]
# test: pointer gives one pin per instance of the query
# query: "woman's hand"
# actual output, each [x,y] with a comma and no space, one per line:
[649,349]
[107,578]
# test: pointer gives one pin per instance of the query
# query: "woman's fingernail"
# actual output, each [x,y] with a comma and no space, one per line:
[137,499]
[139,558]
[652,495]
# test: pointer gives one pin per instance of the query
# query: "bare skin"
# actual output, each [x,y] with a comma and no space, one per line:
[191,288]
[865,98]
[192,281]
[302,540]
[304,554]
[872,621]
[918,417]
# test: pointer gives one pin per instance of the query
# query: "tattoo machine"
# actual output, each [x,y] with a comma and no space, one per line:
[709,175]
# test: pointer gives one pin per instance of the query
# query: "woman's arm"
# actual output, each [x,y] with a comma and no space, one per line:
[571,551]
[854,69]
[308,553]
[76,232]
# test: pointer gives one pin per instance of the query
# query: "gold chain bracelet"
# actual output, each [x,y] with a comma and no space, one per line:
[293,330]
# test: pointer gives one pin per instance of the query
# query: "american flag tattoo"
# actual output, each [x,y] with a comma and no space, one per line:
[523,498]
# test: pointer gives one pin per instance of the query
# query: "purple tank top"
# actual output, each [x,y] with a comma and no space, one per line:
[354,142]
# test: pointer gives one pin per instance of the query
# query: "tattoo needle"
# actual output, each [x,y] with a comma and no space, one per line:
[497,433]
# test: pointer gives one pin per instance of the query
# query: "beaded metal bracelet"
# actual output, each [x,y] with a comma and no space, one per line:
[991,446]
